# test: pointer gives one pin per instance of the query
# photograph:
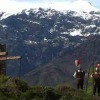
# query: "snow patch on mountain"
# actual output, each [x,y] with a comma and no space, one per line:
[90,26]
[64,32]
[4,26]
[76,32]
[4,15]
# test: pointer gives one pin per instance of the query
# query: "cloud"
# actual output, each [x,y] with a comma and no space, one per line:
[14,6]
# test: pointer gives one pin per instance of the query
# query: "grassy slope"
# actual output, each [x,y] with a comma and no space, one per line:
[15,89]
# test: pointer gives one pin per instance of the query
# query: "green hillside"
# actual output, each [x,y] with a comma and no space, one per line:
[15,89]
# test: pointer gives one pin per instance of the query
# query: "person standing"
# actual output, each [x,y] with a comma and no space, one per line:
[96,82]
[79,75]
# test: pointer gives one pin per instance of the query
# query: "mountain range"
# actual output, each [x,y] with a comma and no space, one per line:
[49,41]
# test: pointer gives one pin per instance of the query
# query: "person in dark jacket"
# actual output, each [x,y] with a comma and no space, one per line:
[79,74]
[96,82]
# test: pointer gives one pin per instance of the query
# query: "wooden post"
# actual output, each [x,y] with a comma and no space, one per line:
[13,58]
[10,58]
[3,53]
[4,58]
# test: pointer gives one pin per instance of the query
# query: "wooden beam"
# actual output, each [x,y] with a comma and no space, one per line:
[3,53]
[10,58]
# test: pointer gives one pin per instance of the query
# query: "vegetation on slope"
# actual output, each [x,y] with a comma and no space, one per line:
[15,89]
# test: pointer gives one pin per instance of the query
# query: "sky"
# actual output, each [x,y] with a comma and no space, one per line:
[13,6]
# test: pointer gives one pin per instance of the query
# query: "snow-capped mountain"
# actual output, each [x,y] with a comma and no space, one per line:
[91,19]
[83,21]
[43,35]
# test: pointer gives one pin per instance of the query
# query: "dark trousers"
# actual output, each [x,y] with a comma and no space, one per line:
[96,88]
[80,83]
